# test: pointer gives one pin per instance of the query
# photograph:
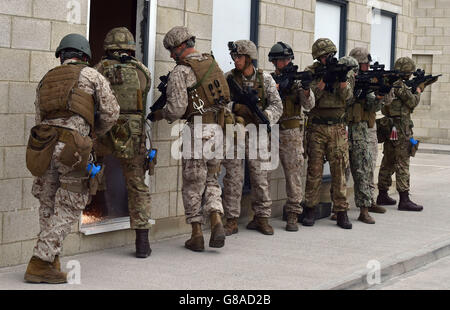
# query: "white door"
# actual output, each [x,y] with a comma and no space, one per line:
[381,38]
[328,22]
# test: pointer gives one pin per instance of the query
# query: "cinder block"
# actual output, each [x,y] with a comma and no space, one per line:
[10,254]
[11,193]
[4,90]
[262,13]
[424,40]
[30,121]
[301,41]
[266,36]
[284,35]
[365,32]
[203,46]
[442,4]
[363,13]
[441,41]
[438,133]
[12,128]
[200,25]
[273,188]
[61,29]
[14,64]
[429,123]
[282,189]
[27,250]
[425,22]
[308,21]
[28,200]
[41,63]
[165,130]
[5,30]
[30,33]
[424,4]
[293,18]
[435,12]
[180,206]
[205,7]
[15,166]
[1,230]
[102,241]
[402,40]
[421,132]
[163,153]
[166,179]
[71,245]
[176,4]
[354,31]
[21,225]
[22,97]
[168,18]
[173,204]
[290,3]
[16,7]
[275,15]
[442,22]
[303,4]
[191,5]
[2,160]
[161,53]
[60,10]
[160,205]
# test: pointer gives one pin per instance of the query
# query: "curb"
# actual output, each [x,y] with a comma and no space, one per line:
[392,267]
[434,151]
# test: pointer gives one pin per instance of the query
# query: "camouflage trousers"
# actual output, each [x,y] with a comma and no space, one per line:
[327,142]
[138,192]
[360,163]
[373,148]
[259,182]
[59,208]
[395,160]
[292,160]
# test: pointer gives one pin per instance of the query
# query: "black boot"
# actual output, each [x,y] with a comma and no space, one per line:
[310,216]
[383,199]
[143,249]
[343,221]
[406,204]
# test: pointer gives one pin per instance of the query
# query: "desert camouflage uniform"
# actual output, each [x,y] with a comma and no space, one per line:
[139,198]
[59,208]
[234,178]
[201,190]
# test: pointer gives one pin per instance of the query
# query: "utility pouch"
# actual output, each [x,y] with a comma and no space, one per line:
[96,181]
[413,148]
[77,149]
[41,145]
[384,128]
[125,136]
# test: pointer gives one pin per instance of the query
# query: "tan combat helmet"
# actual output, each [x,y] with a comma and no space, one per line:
[361,54]
[323,46]
[176,36]
[350,61]
[119,38]
[405,64]
[244,47]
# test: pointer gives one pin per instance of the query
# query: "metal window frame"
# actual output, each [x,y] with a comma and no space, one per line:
[394,30]
[343,4]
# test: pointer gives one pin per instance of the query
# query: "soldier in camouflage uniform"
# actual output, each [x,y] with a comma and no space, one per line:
[327,138]
[245,74]
[130,81]
[59,148]
[397,150]
[295,97]
[188,96]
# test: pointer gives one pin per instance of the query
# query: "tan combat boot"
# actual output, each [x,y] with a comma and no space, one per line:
[374,208]
[196,243]
[40,271]
[291,222]
[261,224]
[231,227]
[365,217]
[217,239]
[57,263]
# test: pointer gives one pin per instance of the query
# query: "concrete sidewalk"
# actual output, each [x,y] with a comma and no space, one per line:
[322,256]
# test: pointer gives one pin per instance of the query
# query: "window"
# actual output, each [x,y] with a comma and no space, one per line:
[331,22]
[382,45]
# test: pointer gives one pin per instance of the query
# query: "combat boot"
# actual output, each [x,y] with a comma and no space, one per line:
[343,221]
[310,216]
[143,249]
[40,271]
[384,199]
[56,263]
[291,222]
[406,204]
[261,224]
[217,239]
[231,227]
[364,216]
[374,208]
[196,243]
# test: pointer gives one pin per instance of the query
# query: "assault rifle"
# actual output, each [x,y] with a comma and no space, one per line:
[375,80]
[162,100]
[288,75]
[421,79]
[331,72]
[249,98]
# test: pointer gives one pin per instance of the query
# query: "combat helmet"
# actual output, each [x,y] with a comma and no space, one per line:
[74,41]
[176,36]
[243,47]
[281,51]
[351,62]
[323,46]
[119,38]
[361,54]
[405,64]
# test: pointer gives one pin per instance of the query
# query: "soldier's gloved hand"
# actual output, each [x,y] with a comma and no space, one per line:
[342,76]
[155,116]
[384,90]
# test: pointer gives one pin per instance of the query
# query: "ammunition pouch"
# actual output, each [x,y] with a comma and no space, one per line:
[96,181]
[75,181]
[290,124]
[371,119]
[41,145]
[327,121]
[76,150]
[384,127]
[126,135]
[150,165]
[413,148]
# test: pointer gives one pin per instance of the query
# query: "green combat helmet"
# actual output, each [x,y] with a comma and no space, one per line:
[243,47]
[405,65]
[350,61]
[281,51]
[361,54]
[176,36]
[75,41]
[323,46]
[119,38]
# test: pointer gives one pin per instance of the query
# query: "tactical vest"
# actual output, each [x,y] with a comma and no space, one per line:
[291,108]
[125,82]
[60,97]
[258,85]
[358,112]
[210,93]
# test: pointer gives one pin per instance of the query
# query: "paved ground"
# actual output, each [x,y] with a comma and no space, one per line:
[313,257]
